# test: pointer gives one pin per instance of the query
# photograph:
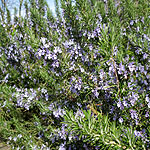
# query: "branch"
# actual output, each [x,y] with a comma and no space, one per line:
[116,76]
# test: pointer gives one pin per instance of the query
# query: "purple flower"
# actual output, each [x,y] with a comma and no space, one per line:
[19,136]
[81,69]
[62,133]
[77,86]
[77,17]
[148,105]
[147,114]
[101,74]
[4,104]
[137,133]
[55,64]
[6,77]
[133,98]
[95,92]
[141,68]
[54,57]
[112,109]
[73,89]
[72,66]
[115,117]
[51,106]
[62,147]
[131,66]
[15,139]
[138,29]
[98,30]
[43,90]
[147,99]
[146,37]
[26,106]
[46,96]
[145,55]
[119,105]
[125,103]
[59,112]
[10,138]
[72,79]
[79,113]
[121,68]
[121,120]
[41,52]
[131,22]
[145,82]
[55,113]
[133,114]
[48,55]
[79,104]
[90,47]
[142,20]
[57,50]
[99,17]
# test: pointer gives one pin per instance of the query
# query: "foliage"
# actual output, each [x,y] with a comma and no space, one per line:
[99,132]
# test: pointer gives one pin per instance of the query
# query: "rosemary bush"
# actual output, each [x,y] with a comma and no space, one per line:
[79,80]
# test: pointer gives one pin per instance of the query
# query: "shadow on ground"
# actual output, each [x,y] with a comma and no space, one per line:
[4,146]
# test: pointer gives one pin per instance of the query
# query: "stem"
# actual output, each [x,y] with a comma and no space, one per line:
[116,77]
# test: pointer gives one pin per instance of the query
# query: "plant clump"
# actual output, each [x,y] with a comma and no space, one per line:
[77,80]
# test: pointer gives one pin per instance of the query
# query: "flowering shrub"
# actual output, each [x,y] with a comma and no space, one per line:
[76,81]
